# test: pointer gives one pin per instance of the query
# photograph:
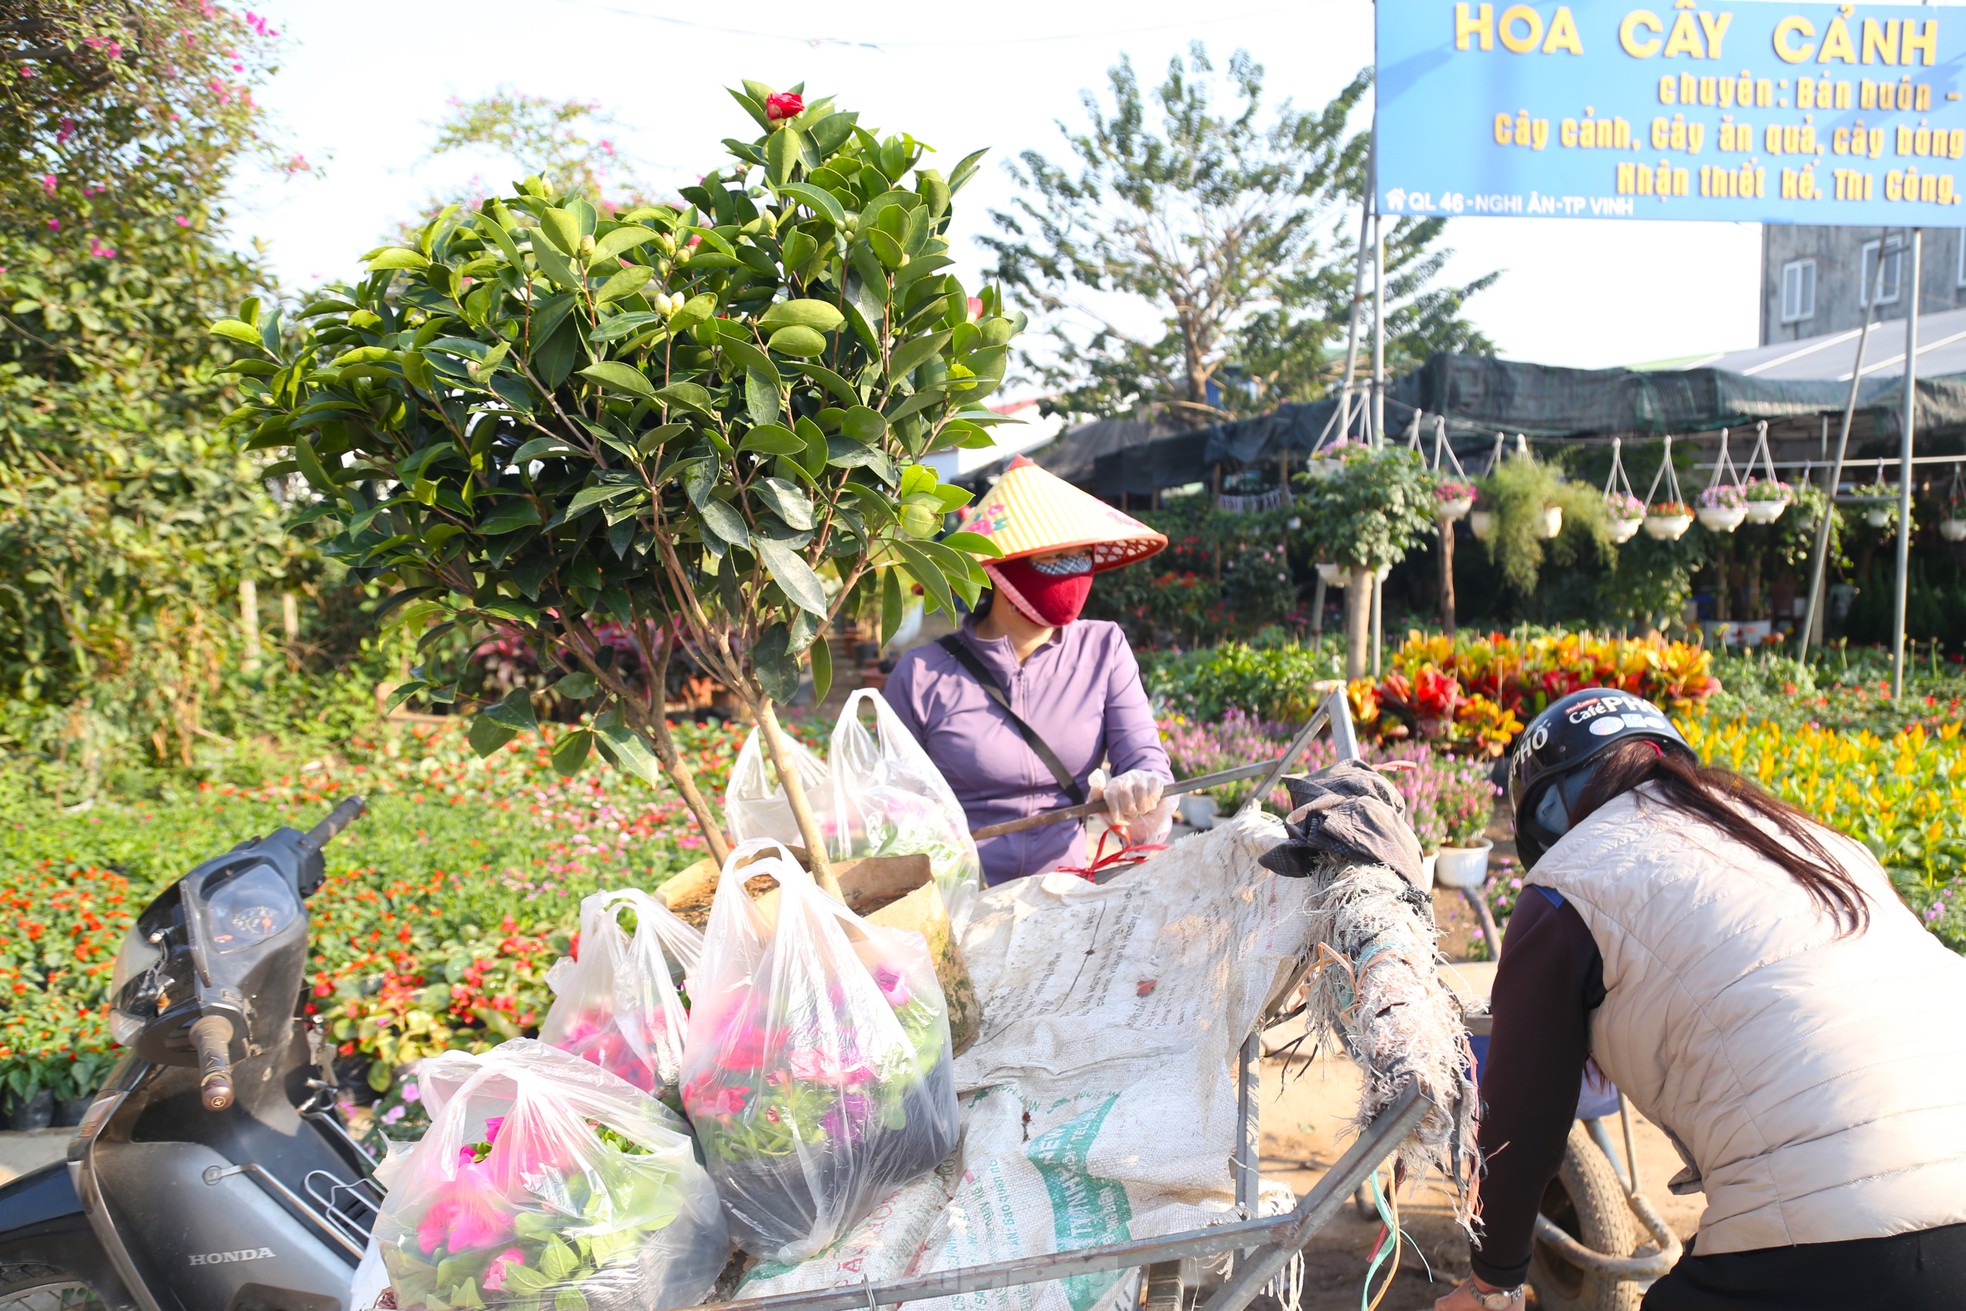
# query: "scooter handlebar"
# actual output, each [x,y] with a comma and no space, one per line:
[338,819]
[212,1038]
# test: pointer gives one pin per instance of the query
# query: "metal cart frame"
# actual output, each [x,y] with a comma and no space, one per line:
[1260,1247]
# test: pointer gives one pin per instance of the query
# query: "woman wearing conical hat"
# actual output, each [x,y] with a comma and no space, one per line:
[1086,731]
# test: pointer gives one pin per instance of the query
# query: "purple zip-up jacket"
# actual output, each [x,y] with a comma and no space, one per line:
[1081,691]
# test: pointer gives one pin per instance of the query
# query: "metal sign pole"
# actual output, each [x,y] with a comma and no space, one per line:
[1358,292]
[1835,473]
[1905,468]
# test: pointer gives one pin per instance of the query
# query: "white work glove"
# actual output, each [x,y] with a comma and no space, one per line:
[1135,807]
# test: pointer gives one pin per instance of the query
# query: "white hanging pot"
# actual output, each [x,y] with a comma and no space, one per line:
[1877,516]
[1667,527]
[1722,518]
[1463,867]
[1765,511]
[1623,530]
[1551,522]
[1334,575]
[1456,510]
[1953,530]
[1483,523]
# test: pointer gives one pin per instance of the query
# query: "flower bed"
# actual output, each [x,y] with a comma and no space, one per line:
[441,913]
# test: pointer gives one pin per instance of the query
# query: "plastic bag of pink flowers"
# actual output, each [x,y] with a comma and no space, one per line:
[622,1001]
[818,1075]
[545,1181]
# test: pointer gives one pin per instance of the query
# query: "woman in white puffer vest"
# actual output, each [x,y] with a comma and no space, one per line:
[1752,982]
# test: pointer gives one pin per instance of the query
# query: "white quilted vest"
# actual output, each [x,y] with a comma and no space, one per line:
[1816,1085]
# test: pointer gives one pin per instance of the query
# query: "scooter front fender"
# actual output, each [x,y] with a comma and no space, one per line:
[42,1223]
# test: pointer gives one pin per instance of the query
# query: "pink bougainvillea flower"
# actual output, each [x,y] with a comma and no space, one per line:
[782,105]
[494,1280]
[48,183]
[54,225]
[65,131]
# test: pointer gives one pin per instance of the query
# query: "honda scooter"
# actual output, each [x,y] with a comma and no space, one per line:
[213,1172]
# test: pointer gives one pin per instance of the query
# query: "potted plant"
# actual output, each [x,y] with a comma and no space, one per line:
[704,422]
[1723,508]
[1626,513]
[1464,846]
[1767,498]
[1372,505]
[1481,522]
[1880,502]
[1668,520]
[1952,523]
[1454,500]
[1521,493]
[1333,574]
[1448,801]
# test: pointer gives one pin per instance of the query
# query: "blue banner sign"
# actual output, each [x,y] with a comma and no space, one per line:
[1673,109]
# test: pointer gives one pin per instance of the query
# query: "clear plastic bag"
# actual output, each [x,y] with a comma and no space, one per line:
[889,799]
[622,1003]
[754,803]
[818,1074]
[545,1181]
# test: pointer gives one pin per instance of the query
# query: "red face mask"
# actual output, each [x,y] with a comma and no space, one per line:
[1044,597]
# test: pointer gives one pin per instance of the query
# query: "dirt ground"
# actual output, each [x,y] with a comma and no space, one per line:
[1306,1107]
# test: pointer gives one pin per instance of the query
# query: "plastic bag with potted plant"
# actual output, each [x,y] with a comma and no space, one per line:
[544,1181]
[818,1074]
[622,1002]
[889,799]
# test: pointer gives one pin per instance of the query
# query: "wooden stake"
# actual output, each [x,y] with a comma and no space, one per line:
[1447,577]
[249,623]
[778,745]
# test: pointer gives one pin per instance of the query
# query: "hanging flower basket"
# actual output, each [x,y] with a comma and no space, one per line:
[1723,508]
[1767,499]
[1880,503]
[1455,500]
[1626,513]
[1550,522]
[1483,523]
[1953,530]
[1668,520]
[1334,575]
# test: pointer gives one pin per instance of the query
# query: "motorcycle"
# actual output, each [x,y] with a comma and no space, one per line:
[212,1172]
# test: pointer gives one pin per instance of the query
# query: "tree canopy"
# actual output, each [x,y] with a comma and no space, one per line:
[126,515]
[1195,251]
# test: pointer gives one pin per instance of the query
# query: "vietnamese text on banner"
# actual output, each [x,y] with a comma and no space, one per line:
[1748,112]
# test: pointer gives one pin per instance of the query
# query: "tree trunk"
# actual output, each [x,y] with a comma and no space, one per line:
[1447,577]
[779,747]
[1358,622]
[1317,610]
[249,623]
[653,729]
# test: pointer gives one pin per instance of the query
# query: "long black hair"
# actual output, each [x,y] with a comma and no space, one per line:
[1728,802]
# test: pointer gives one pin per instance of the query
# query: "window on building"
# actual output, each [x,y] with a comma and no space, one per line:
[1798,290]
[1892,251]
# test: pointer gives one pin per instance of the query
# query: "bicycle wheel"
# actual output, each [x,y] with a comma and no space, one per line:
[44,1288]
[1586,1201]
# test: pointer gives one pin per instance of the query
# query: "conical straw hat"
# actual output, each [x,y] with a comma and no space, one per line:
[1033,512]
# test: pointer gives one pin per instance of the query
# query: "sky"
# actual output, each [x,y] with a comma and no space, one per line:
[362,85]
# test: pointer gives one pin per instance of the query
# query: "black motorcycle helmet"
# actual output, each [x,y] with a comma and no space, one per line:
[1551,762]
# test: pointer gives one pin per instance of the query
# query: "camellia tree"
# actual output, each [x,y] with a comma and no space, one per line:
[1365,507]
[704,424]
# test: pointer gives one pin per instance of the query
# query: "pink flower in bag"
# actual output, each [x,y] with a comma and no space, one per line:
[494,1280]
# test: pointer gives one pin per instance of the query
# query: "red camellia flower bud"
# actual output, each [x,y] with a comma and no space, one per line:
[783,105]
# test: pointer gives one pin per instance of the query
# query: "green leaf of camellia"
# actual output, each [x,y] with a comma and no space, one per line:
[822,669]
[973,543]
[570,752]
[562,228]
[819,315]
[509,518]
[798,340]
[624,750]
[612,373]
[397,257]
[618,243]
[787,502]
[790,571]
[514,712]
[576,686]
[818,200]
[777,669]
[488,735]
[625,283]
[234,330]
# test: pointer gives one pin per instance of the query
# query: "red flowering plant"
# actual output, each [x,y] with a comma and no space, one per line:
[706,422]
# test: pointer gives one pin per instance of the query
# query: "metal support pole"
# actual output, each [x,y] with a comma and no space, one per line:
[1905,468]
[1378,328]
[1358,294]
[1834,474]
